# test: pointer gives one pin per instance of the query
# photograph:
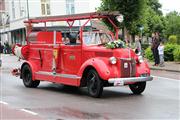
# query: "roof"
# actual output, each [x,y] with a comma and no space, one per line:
[72,17]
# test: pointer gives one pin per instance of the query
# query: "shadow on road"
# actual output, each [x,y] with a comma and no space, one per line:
[75,91]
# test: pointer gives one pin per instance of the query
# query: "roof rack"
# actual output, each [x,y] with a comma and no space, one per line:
[92,15]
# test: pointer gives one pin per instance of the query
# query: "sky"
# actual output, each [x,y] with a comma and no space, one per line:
[170,5]
[167,5]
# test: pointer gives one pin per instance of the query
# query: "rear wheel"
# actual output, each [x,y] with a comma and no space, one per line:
[138,87]
[94,84]
[27,77]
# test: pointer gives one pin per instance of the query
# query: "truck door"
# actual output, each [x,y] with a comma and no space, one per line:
[71,58]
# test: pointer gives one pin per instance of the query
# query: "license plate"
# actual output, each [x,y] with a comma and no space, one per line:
[118,83]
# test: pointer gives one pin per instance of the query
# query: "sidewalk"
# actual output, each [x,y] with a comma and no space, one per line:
[169,66]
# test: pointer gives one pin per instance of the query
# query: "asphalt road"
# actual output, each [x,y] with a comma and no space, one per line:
[161,99]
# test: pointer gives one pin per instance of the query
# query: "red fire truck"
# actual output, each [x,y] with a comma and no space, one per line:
[80,58]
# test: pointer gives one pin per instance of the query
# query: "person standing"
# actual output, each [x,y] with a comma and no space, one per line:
[161,54]
[138,49]
[154,48]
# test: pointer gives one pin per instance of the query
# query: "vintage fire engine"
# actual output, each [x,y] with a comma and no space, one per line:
[80,58]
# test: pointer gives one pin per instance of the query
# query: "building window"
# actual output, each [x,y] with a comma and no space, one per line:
[70,9]
[20,8]
[45,7]
[13,9]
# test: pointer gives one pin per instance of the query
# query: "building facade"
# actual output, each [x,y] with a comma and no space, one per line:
[16,11]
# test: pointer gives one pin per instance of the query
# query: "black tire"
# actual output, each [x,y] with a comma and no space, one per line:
[138,87]
[27,77]
[94,84]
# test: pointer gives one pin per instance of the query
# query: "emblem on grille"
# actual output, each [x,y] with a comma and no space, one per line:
[125,65]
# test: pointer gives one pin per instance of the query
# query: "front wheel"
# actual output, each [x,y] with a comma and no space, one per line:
[138,87]
[27,77]
[94,84]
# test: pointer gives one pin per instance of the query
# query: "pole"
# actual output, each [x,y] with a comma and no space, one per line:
[27,9]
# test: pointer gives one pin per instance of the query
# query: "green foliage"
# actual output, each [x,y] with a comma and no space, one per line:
[171,53]
[173,25]
[144,46]
[172,39]
[168,52]
[176,53]
[132,10]
[149,54]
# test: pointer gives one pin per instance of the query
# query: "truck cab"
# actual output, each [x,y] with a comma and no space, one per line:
[81,58]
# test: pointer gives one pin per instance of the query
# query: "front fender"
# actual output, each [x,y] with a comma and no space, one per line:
[33,67]
[99,65]
[142,68]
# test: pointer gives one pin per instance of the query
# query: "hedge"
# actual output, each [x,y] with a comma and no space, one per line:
[171,53]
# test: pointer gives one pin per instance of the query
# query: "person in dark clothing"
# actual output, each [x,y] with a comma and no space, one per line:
[154,48]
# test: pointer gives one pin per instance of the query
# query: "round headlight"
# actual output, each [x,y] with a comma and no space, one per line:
[113,60]
[140,59]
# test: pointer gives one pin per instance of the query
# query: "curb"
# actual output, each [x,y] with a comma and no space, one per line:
[152,68]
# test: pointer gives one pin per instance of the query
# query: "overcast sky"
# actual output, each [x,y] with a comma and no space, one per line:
[167,5]
[170,5]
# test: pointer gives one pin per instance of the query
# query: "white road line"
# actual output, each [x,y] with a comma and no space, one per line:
[28,111]
[164,78]
[5,103]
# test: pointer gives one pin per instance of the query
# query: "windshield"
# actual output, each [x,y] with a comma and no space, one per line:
[96,38]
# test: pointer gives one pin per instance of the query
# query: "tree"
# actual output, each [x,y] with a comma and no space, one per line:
[155,6]
[132,10]
[173,24]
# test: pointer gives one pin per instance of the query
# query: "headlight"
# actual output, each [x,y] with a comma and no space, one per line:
[113,60]
[140,59]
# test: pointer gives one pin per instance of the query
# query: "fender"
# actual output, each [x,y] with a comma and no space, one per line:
[33,67]
[142,69]
[99,65]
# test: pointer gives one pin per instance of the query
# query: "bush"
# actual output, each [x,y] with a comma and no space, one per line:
[149,54]
[171,53]
[144,46]
[176,53]
[172,39]
[178,41]
[168,52]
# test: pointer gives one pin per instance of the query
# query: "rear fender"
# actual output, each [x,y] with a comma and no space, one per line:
[33,67]
[99,65]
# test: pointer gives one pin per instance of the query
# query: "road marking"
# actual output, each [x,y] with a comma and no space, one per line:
[5,103]
[28,111]
[164,78]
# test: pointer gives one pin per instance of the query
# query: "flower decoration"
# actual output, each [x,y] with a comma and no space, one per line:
[115,44]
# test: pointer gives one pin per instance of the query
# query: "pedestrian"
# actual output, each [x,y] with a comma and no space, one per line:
[138,49]
[161,54]
[5,48]
[154,48]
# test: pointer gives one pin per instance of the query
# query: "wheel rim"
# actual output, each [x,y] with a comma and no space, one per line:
[93,85]
[135,86]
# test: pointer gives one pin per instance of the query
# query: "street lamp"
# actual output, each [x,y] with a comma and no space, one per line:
[141,29]
[27,3]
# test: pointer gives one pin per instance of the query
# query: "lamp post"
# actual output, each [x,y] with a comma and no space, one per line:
[27,3]
[141,29]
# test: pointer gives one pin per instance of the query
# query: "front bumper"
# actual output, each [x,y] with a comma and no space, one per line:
[126,81]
